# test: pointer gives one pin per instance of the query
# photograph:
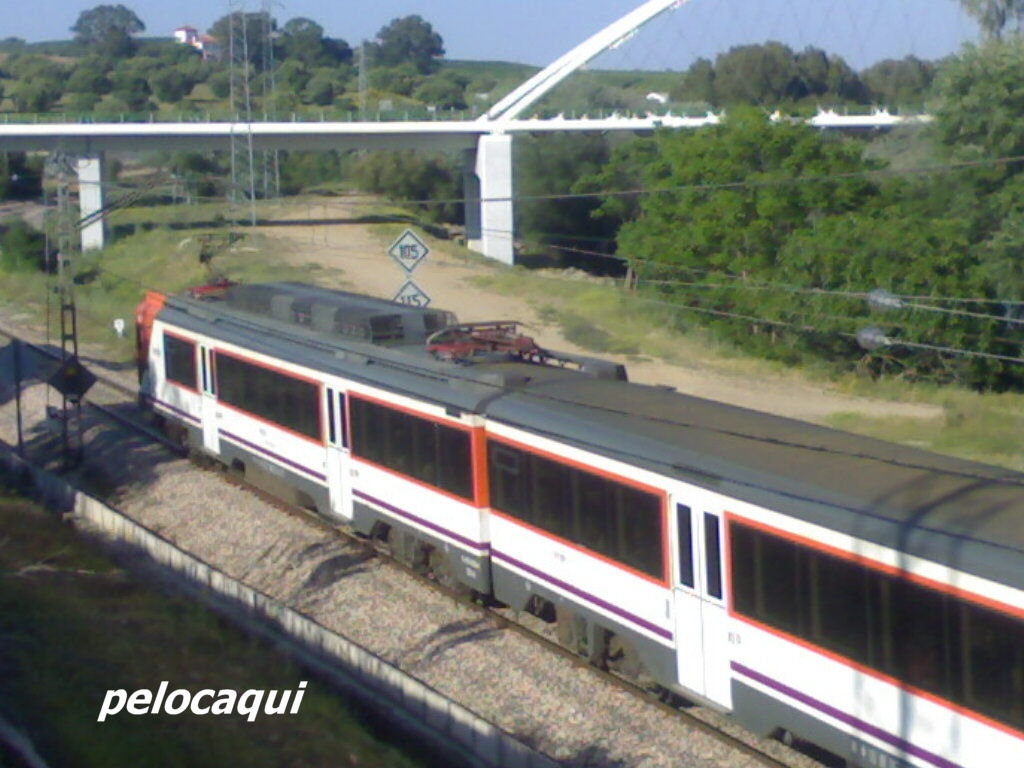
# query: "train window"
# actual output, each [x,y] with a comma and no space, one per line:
[400,443]
[332,433]
[433,453]
[685,528]
[180,361]
[743,562]
[508,471]
[369,430]
[606,517]
[595,512]
[919,626]
[766,579]
[455,462]
[424,450]
[994,663]
[839,605]
[712,555]
[641,535]
[284,400]
[779,584]
[551,496]
[342,420]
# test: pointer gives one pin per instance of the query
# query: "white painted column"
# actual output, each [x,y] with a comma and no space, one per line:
[90,201]
[471,194]
[496,230]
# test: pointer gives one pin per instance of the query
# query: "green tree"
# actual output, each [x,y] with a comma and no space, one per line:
[982,99]
[259,26]
[303,40]
[322,87]
[411,176]
[733,200]
[757,74]
[108,28]
[547,166]
[292,75]
[35,95]
[81,102]
[21,246]
[87,80]
[131,91]
[697,83]
[993,15]
[220,84]
[170,85]
[401,79]
[21,176]
[440,91]
[409,39]
[898,80]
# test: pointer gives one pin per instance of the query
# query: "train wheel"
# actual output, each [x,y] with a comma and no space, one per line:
[441,570]
[623,659]
[572,630]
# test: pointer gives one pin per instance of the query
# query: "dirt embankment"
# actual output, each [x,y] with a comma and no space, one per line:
[357,256]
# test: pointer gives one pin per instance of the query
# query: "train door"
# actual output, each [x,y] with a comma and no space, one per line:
[701,628]
[714,617]
[208,402]
[338,454]
[688,632]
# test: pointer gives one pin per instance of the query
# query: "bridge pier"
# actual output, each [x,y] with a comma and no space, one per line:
[490,215]
[91,202]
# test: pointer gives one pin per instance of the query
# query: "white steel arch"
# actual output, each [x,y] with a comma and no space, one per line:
[534,89]
[488,172]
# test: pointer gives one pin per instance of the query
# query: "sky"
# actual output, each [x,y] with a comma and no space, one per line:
[538,31]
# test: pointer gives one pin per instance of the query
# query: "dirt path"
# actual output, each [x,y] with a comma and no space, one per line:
[359,254]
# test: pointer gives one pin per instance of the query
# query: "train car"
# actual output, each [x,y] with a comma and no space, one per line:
[863,596]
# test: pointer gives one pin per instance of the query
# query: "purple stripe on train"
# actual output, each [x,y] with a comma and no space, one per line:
[272,455]
[477,545]
[177,411]
[864,727]
[583,595]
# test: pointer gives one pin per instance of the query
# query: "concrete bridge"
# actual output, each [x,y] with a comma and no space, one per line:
[486,143]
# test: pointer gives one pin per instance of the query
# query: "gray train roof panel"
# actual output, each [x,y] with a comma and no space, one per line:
[967,514]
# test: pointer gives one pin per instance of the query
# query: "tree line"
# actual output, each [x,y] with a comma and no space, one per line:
[110,69]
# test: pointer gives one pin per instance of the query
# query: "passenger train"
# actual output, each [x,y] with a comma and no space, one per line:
[863,596]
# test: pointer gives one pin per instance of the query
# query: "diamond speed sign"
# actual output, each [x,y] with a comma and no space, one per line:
[408,250]
[411,295]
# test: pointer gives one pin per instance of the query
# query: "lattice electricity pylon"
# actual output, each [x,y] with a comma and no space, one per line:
[60,168]
[271,187]
[243,177]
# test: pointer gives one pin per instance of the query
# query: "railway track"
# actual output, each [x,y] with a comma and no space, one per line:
[711,724]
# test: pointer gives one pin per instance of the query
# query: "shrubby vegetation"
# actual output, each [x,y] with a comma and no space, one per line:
[21,247]
[772,234]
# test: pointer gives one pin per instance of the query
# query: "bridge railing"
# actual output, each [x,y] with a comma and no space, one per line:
[421,114]
[225,116]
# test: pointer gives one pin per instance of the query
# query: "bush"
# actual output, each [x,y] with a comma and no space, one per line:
[22,247]
[411,176]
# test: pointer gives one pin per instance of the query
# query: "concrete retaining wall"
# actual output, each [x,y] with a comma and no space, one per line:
[370,678]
